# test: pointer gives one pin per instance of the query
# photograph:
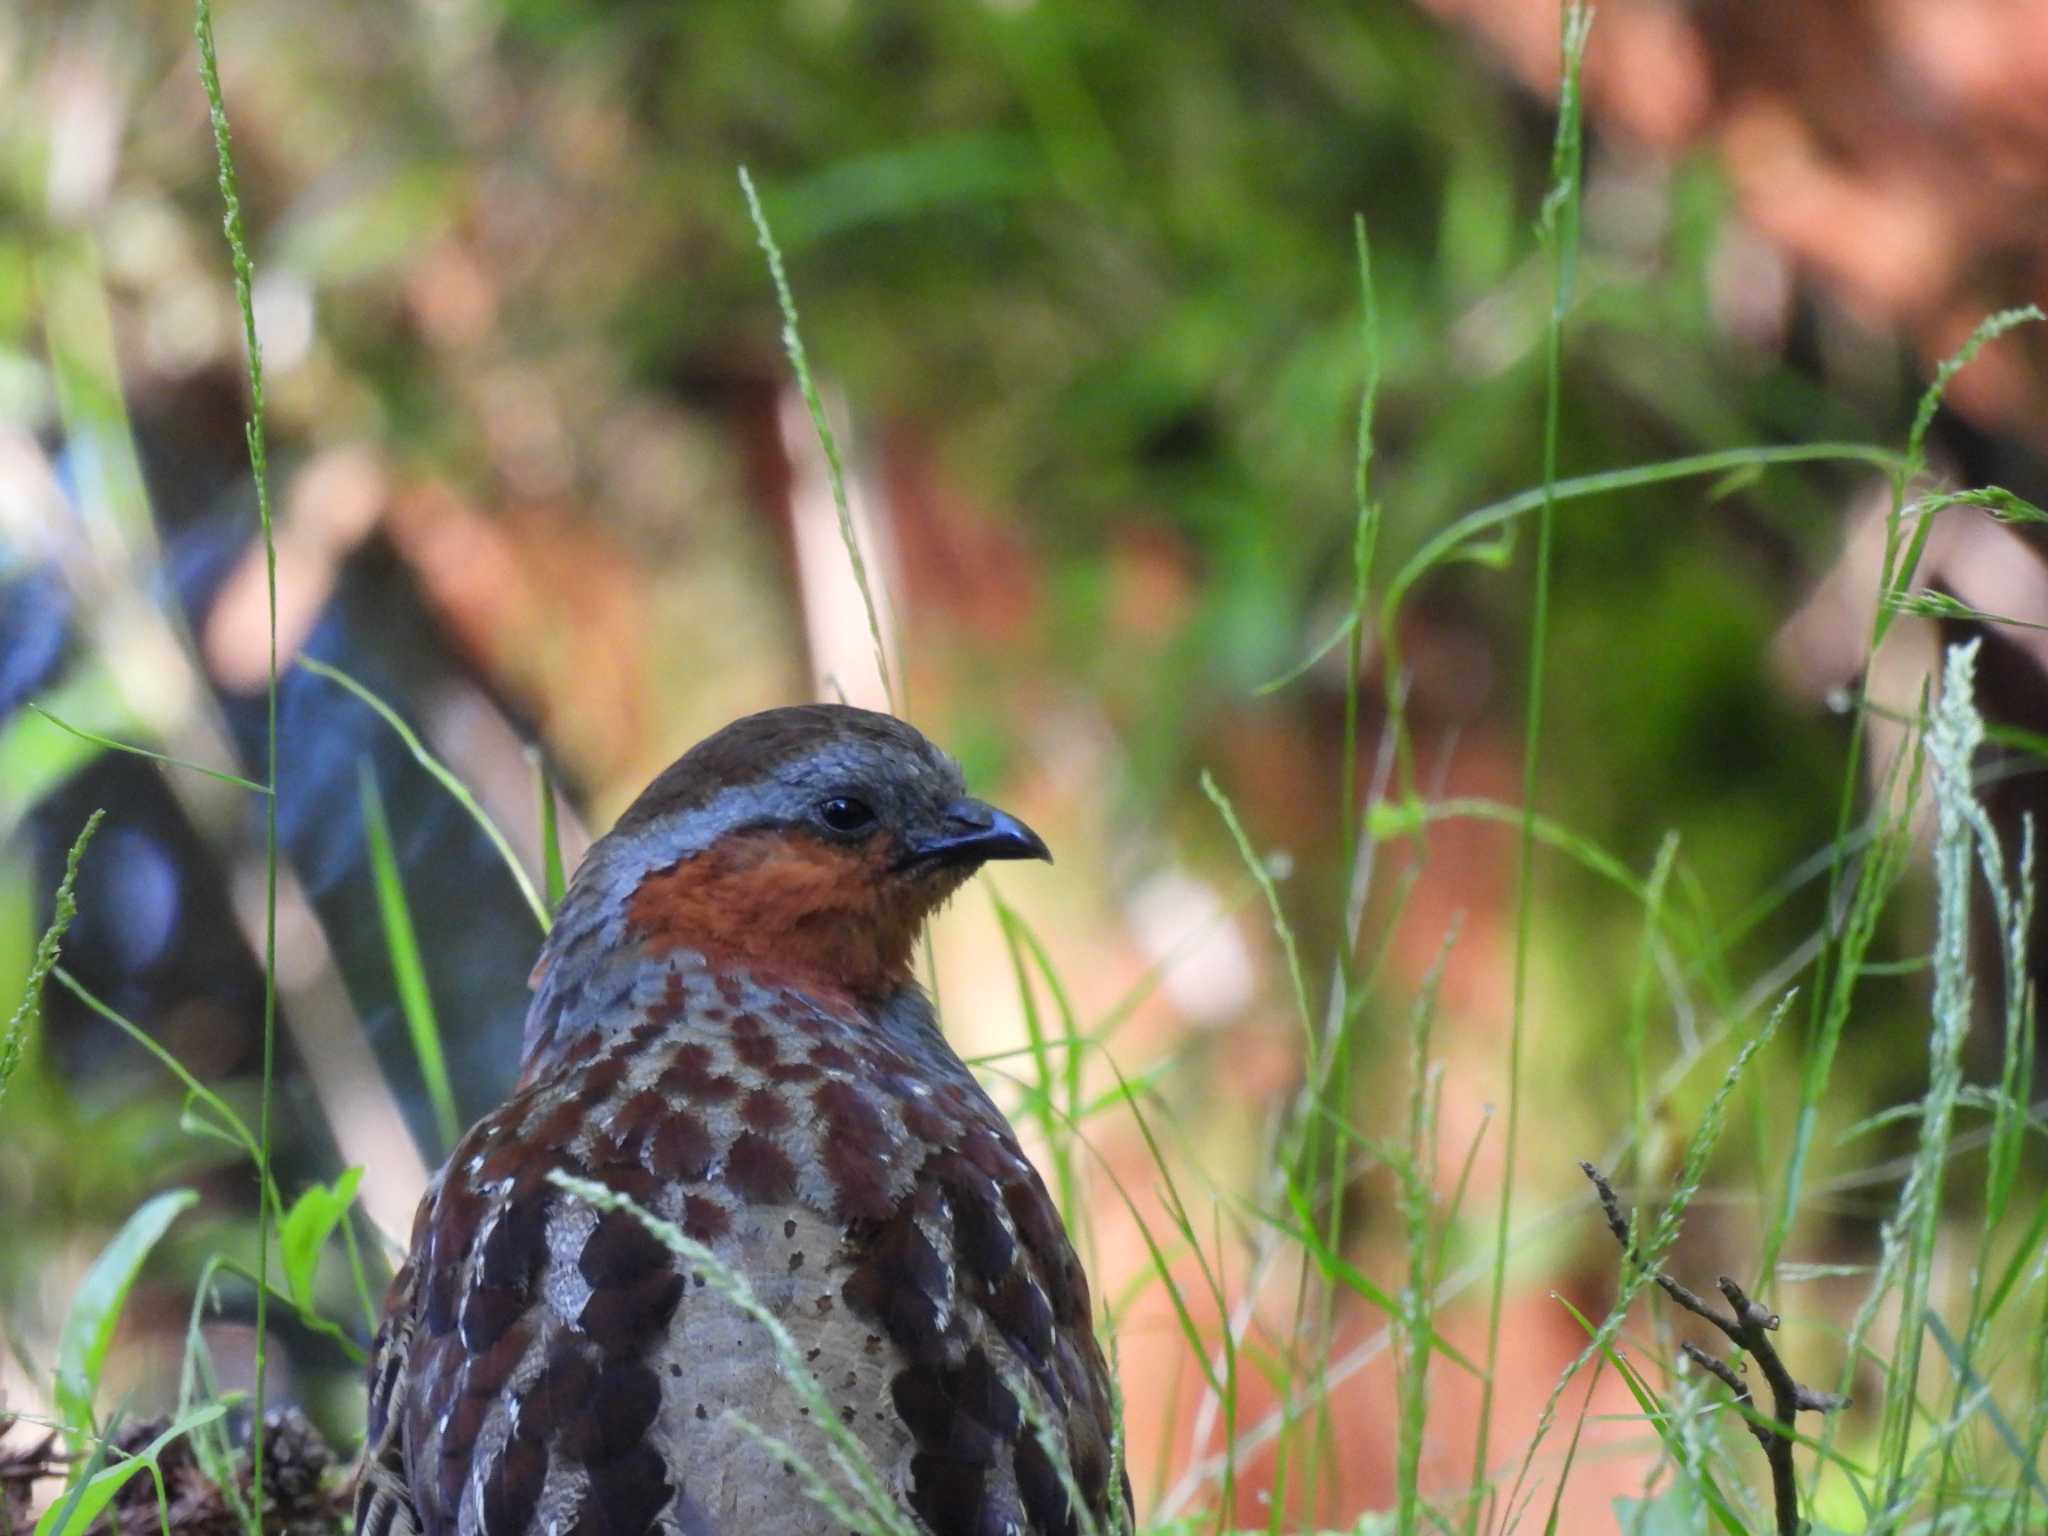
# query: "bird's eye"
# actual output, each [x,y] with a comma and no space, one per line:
[843,813]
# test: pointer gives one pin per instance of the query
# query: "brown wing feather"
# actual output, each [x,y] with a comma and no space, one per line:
[548,1368]
[383,1499]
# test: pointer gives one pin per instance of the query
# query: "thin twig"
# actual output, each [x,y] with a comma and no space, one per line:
[1749,1325]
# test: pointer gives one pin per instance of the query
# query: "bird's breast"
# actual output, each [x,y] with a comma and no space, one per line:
[570,1365]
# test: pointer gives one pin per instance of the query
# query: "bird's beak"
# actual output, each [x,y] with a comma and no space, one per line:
[972,832]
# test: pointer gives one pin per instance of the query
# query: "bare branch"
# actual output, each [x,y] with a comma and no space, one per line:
[1749,1326]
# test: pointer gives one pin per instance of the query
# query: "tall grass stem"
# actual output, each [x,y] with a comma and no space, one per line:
[238,247]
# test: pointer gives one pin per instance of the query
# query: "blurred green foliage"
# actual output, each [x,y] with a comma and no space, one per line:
[1101,255]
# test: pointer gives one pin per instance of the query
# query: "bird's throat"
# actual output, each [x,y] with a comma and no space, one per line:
[786,906]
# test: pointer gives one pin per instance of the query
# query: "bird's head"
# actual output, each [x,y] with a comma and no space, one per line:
[809,843]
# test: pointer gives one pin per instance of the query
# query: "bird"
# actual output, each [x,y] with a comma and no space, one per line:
[725,1029]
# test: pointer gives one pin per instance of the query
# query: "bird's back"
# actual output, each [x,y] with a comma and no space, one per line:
[548,1368]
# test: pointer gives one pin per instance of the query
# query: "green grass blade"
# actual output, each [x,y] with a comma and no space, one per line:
[1070,1037]
[227,1126]
[1970,1381]
[1220,1373]
[1635,1041]
[835,472]
[1659,1419]
[1390,819]
[875,1508]
[554,876]
[1416,1175]
[408,969]
[58,1515]
[1648,1252]
[1884,865]
[198,1382]
[1457,541]
[111,745]
[2023,1260]
[303,1234]
[2010,1117]
[1339,1269]
[1571,1456]
[1263,877]
[75,1515]
[444,776]
[310,1317]
[1450,544]
[1040,1102]
[259,469]
[102,1295]
[358,1277]
[1560,226]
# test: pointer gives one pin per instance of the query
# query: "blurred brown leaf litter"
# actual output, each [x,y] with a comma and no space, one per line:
[305,1484]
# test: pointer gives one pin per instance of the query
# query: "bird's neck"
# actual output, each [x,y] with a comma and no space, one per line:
[781,908]
[594,983]
[774,912]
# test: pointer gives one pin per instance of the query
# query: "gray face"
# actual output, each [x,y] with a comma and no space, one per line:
[803,767]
